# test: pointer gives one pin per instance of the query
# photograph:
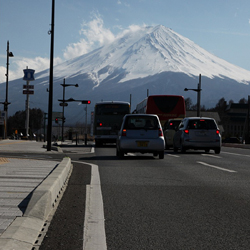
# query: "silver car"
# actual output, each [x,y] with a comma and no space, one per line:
[169,131]
[140,133]
[197,133]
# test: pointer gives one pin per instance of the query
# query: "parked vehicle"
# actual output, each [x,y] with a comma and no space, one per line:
[169,131]
[140,133]
[197,133]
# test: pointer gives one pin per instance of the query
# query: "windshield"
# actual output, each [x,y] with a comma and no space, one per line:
[112,109]
[141,122]
[202,124]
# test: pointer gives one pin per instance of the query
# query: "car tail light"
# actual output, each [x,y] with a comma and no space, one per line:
[217,131]
[186,131]
[124,132]
[160,132]
[99,124]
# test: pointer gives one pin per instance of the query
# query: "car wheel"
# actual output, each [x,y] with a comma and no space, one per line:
[119,153]
[217,150]
[161,155]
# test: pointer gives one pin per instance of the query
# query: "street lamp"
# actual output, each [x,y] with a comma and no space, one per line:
[198,90]
[83,102]
[6,103]
[64,103]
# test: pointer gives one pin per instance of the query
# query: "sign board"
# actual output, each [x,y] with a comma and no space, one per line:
[28,86]
[30,92]
[28,75]
[63,104]
[57,115]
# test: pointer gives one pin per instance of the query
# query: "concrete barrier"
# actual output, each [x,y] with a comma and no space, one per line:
[24,231]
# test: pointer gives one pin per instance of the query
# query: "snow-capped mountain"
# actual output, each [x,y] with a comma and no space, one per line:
[156,59]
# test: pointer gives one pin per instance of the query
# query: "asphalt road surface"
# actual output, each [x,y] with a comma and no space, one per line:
[186,201]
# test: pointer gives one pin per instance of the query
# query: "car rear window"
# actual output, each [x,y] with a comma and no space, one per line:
[173,124]
[202,124]
[141,122]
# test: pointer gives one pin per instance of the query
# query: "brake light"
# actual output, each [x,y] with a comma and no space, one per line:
[160,132]
[100,124]
[124,132]
[186,131]
[217,131]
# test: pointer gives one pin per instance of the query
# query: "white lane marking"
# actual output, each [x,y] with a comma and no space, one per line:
[92,150]
[214,156]
[177,156]
[212,166]
[235,154]
[131,154]
[94,236]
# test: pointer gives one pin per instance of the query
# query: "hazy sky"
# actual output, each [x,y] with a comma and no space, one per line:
[221,27]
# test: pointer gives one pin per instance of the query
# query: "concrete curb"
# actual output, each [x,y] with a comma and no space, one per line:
[24,231]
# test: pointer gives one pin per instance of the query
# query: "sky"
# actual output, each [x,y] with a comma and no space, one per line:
[220,27]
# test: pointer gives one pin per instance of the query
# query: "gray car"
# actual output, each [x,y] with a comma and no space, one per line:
[197,133]
[140,133]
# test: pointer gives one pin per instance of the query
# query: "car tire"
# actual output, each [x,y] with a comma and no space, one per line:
[119,153]
[217,150]
[161,155]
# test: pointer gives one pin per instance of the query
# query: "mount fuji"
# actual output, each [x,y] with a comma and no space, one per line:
[154,60]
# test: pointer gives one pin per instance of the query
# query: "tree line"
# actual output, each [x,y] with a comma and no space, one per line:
[219,107]
[18,120]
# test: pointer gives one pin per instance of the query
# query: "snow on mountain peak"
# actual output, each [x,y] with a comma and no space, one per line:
[149,51]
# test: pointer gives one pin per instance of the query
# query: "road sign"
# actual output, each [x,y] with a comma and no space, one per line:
[63,104]
[28,86]
[28,75]
[30,92]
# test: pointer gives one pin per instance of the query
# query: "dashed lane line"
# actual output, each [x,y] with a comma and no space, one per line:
[213,166]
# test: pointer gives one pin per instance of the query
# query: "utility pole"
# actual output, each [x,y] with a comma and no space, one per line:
[199,97]
[50,106]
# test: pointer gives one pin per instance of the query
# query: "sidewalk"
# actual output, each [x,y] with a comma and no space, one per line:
[28,190]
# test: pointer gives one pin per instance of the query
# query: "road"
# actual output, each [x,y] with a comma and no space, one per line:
[186,201]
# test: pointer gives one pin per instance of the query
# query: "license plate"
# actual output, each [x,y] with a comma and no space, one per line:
[142,144]
[201,133]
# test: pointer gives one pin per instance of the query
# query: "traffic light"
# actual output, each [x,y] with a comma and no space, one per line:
[63,119]
[86,102]
[56,120]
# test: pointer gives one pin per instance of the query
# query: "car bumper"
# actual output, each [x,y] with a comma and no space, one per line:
[127,145]
[201,144]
